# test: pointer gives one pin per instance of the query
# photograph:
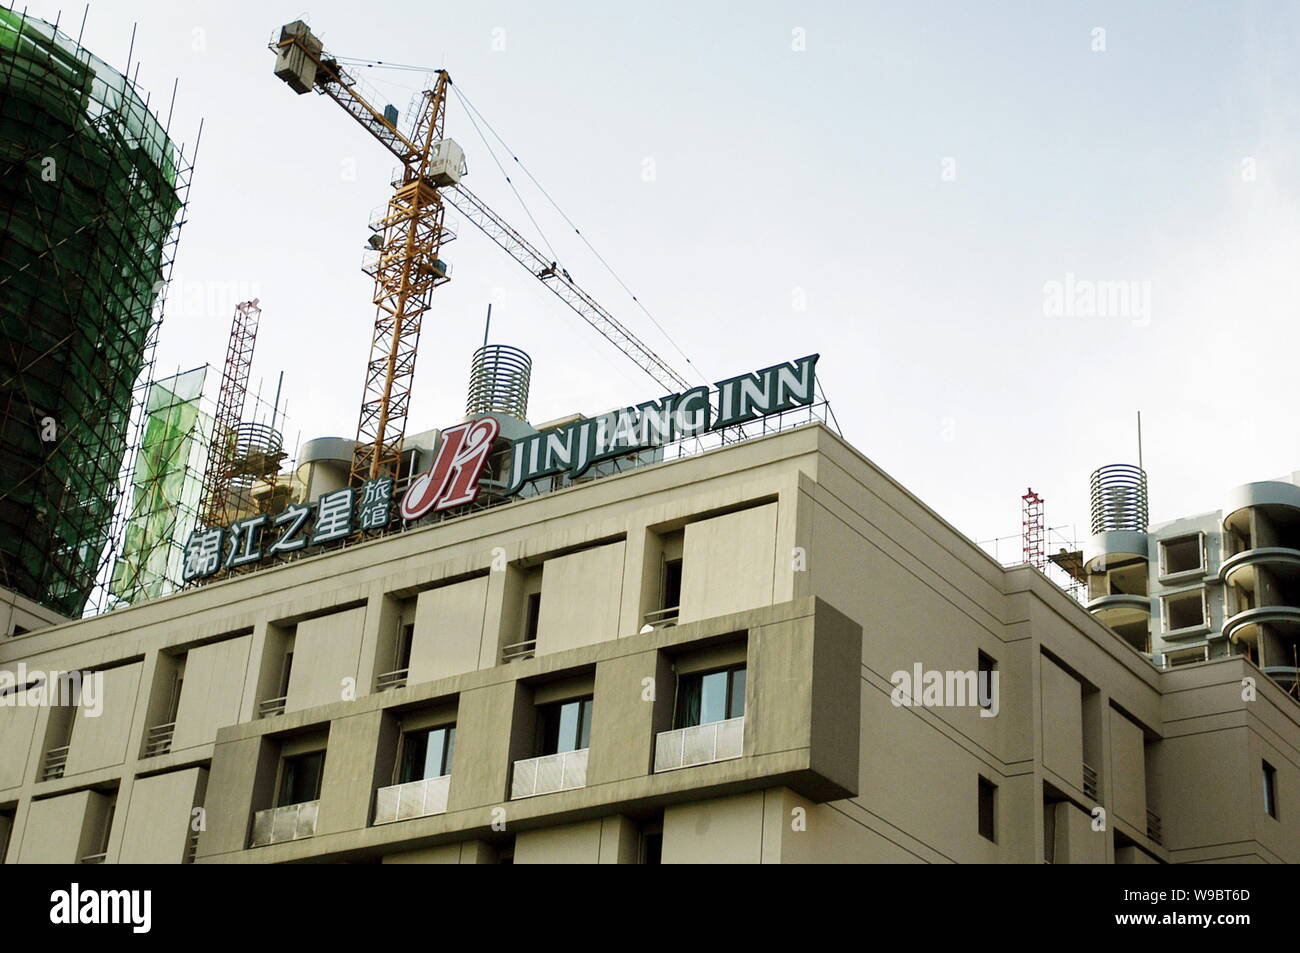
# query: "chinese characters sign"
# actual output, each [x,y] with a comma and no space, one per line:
[334,516]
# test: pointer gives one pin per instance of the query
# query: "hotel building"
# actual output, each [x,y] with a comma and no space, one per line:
[691,661]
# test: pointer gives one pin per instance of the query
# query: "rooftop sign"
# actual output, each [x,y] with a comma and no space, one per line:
[455,478]
[574,447]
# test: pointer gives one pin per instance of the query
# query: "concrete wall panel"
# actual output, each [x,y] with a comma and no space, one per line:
[62,830]
[326,651]
[213,691]
[1062,721]
[102,740]
[158,820]
[1128,766]
[448,630]
[728,563]
[581,598]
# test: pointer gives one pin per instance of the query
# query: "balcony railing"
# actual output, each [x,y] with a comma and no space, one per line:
[289,822]
[56,759]
[191,848]
[700,744]
[391,680]
[663,618]
[519,651]
[159,739]
[94,858]
[1089,780]
[1153,827]
[412,799]
[271,707]
[550,773]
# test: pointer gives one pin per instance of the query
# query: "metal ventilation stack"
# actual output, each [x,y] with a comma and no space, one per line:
[1119,499]
[1117,557]
[499,376]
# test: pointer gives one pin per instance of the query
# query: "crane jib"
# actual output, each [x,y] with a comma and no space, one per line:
[303,63]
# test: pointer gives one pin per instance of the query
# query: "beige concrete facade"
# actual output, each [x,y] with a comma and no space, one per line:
[801,561]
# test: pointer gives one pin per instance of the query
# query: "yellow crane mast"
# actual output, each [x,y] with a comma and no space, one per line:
[406,265]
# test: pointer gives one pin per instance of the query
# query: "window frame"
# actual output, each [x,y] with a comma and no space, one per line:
[405,643]
[985,785]
[290,762]
[668,566]
[1201,547]
[532,616]
[445,762]
[585,718]
[730,694]
[983,657]
[1201,626]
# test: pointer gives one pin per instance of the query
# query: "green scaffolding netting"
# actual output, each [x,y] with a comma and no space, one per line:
[90,195]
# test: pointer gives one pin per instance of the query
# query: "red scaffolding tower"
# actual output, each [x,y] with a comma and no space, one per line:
[1033,530]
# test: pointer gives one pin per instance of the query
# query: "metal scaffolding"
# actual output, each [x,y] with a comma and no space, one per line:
[214,510]
[1033,530]
[92,193]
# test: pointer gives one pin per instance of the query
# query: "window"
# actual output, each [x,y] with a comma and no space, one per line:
[652,848]
[532,616]
[672,595]
[506,852]
[6,828]
[105,822]
[427,753]
[565,726]
[404,640]
[709,697]
[987,666]
[300,778]
[1049,828]
[174,703]
[1186,610]
[1270,790]
[284,675]
[987,808]
[1184,554]
[107,829]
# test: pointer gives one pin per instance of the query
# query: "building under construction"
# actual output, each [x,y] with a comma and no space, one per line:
[91,188]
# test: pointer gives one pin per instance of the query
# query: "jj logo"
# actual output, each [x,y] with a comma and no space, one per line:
[453,478]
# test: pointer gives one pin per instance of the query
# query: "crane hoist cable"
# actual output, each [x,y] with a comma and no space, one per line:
[471,110]
[505,175]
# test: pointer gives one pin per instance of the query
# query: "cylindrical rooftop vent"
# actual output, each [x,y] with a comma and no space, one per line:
[1119,499]
[498,381]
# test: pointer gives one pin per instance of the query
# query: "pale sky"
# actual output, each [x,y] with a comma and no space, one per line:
[893,185]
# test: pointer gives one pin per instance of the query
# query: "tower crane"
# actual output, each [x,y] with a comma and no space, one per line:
[406,264]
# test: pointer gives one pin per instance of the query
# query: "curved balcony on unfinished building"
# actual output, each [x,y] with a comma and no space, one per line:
[1117,563]
[1261,577]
